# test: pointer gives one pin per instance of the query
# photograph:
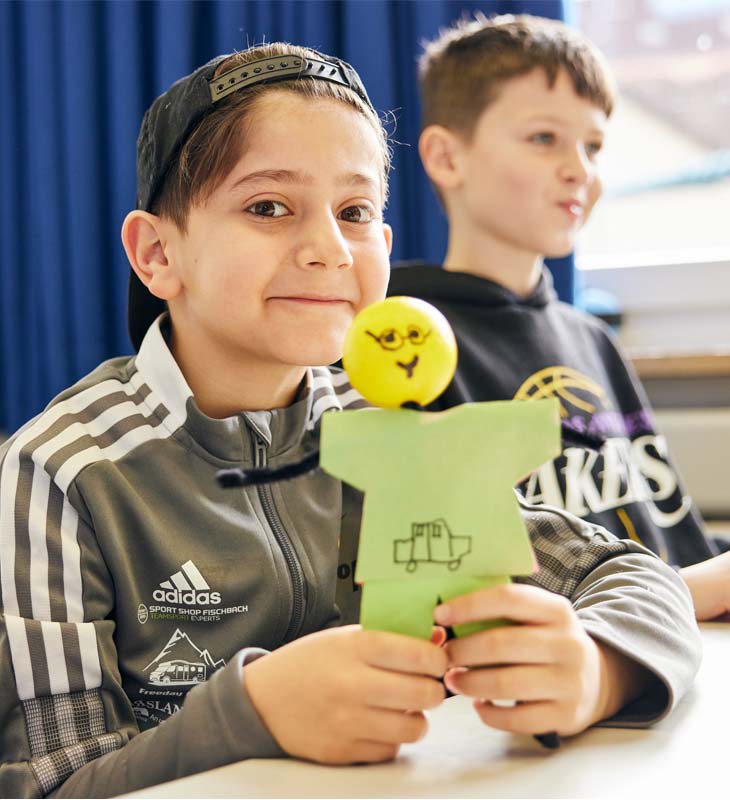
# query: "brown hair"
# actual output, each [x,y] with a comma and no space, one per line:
[215,145]
[463,70]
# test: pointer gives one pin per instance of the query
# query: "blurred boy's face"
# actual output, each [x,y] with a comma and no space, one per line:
[529,177]
[291,245]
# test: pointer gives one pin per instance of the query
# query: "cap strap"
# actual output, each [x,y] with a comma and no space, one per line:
[279,68]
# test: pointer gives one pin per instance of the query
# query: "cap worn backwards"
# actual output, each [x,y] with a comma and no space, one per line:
[172,117]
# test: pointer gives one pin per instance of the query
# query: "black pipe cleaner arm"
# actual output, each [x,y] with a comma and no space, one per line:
[236,477]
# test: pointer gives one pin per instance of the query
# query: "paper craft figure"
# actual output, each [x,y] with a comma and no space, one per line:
[440,517]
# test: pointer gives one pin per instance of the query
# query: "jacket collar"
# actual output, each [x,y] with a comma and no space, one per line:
[231,438]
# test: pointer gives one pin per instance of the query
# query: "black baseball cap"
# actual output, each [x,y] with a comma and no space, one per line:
[171,118]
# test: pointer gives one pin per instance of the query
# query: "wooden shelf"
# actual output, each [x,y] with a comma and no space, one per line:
[681,365]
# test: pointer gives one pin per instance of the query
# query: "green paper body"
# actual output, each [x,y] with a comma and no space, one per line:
[440,517]
[407,606]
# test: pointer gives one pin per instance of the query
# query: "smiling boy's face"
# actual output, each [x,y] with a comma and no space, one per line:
[275,265]
[528,177]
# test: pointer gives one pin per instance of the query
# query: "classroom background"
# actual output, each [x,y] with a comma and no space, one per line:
[654,259]
[78,78]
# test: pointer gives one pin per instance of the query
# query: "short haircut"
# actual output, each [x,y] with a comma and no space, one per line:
[215,145]
[463,70]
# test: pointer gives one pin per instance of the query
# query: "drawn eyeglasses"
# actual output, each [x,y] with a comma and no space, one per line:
[393,339]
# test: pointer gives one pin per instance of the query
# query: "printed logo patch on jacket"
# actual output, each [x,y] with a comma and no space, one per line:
[186,596]
[181,663]
[187,587]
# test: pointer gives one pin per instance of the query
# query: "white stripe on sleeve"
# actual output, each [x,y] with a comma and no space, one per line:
[57,672]
[71,553]
[21,656]
[89,654]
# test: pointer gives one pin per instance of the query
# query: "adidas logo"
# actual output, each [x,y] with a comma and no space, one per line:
[187,587]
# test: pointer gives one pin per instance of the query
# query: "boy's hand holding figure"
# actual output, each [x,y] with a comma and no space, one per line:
[562,679]
[347,695]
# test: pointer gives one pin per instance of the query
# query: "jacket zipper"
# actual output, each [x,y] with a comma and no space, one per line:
[282,538]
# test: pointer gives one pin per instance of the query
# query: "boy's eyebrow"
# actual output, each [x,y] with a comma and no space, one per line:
[304,178]
[556,120]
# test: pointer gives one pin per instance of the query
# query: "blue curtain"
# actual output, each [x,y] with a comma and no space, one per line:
[77,77]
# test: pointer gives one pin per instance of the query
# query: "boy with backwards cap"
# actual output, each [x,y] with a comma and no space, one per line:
[153,624]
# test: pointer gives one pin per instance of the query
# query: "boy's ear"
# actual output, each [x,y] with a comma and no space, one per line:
[439,149]
[144,240]
[388,235]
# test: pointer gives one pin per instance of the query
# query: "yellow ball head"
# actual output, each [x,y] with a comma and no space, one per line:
[400,350]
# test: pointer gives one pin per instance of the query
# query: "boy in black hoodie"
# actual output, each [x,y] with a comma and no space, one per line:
[514,116]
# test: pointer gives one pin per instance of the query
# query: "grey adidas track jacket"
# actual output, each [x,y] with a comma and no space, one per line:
[134,589]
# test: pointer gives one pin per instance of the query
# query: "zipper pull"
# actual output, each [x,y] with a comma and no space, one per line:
[259,451]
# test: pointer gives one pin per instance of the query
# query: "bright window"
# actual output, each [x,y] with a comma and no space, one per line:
[666,163]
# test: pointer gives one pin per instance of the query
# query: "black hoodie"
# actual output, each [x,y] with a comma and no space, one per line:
[533,347]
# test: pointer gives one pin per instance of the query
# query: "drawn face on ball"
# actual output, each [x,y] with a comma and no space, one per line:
[400,350]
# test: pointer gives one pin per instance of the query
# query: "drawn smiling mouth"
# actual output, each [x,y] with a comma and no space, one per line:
[409,367]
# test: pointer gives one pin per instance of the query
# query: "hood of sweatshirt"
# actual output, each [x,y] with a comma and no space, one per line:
[463,287]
